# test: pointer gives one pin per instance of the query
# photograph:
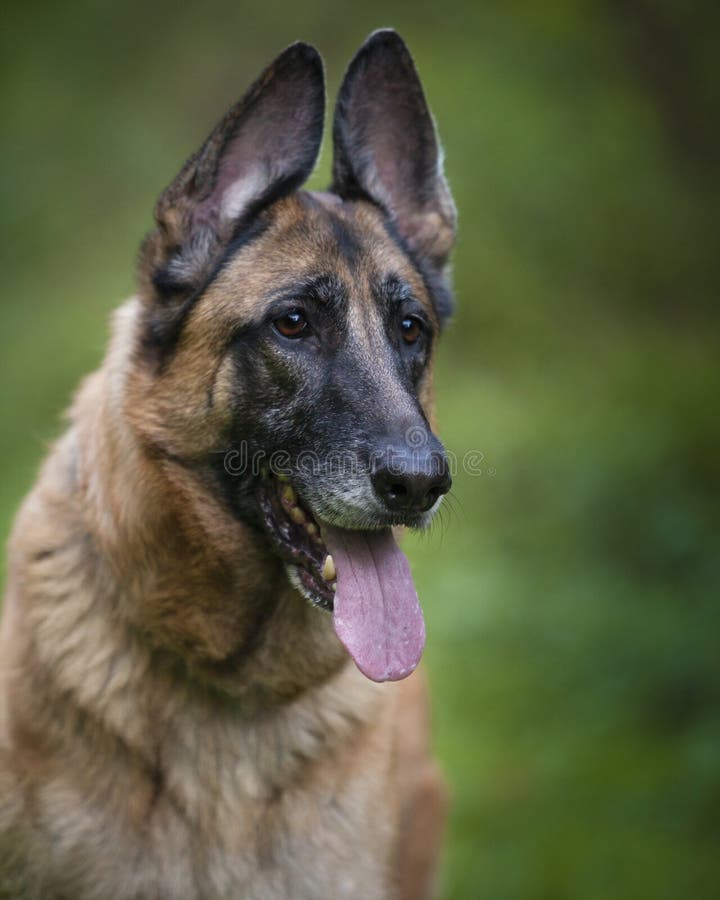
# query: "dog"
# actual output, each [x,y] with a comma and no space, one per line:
[209,631]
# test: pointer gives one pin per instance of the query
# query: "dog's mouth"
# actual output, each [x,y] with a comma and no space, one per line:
[362,577]
[298,541]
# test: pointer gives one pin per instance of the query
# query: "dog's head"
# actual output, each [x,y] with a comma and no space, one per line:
[287,337]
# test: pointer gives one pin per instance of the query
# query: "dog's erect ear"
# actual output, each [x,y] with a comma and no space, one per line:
[264,148]
[386,149]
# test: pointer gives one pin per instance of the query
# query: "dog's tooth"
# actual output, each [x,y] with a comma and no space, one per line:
[328,569]
[297,515]
[311,528]
[288,494]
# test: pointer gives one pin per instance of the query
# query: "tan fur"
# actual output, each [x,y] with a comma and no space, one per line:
[175,720]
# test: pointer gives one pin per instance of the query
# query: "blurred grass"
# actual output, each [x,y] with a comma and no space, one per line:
[571,588]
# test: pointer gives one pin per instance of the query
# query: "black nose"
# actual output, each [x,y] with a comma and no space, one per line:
[411,479]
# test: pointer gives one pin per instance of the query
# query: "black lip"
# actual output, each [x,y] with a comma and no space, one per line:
[292,542]
[390,519]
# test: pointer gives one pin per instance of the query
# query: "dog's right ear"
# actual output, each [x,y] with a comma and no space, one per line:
[386,147]
[264,148]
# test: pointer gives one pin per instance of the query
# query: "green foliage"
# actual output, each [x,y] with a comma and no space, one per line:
[571,588]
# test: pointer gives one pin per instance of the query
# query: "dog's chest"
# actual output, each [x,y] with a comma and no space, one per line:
[329,836]
[332,845]
[234,813]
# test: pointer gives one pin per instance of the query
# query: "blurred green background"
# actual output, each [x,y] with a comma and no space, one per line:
[571,589]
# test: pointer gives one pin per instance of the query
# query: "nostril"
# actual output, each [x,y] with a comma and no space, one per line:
[432,496]
[414,482]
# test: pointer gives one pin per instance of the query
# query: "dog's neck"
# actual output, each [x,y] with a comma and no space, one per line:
[152,612]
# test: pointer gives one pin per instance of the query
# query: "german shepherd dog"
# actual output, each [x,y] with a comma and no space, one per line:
[207,612]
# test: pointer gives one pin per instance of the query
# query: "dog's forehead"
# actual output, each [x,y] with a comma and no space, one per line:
[308,235]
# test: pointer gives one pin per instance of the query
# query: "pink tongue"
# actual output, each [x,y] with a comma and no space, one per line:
[377,614]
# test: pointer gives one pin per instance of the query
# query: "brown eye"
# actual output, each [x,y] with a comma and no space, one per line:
[410,327]
[292,324]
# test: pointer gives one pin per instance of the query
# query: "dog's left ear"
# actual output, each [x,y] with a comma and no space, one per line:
[386,148]
[264,148]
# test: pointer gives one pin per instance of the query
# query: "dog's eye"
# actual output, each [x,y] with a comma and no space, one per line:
[411,328]
[292,324]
